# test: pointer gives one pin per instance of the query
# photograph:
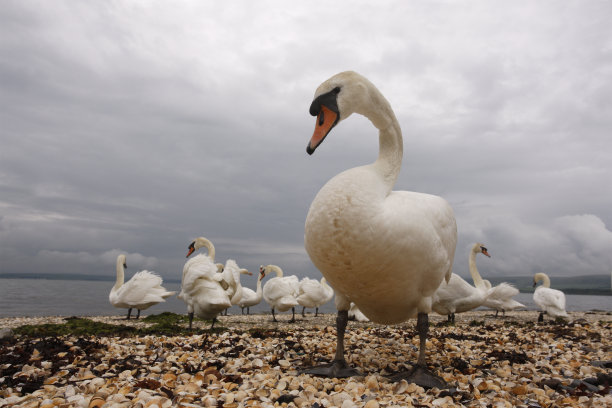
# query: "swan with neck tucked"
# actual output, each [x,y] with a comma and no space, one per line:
[203,288]
[550,301]
[141,292]
[386,251]
[281,291]
[251,297]
[459,296]
[231,275]
[313,293]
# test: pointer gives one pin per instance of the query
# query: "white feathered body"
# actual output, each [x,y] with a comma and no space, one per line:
[552,301]
[141,292]
[281,292]
[387,253]
[500,298]
[457,296]
[355,314]
[251,297]
[202,288]
[312,293]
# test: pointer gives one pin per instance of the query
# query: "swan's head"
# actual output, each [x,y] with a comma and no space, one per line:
[245,272]
[482,249]
[339,97]
[121,260]
[199,243]
[262,271]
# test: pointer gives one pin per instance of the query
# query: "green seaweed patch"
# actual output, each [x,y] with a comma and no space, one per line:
[167,318]
[476,323]
[74,326]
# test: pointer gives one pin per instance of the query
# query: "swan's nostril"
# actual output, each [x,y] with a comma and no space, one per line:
[321,118]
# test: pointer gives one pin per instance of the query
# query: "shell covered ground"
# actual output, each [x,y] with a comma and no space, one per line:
[251,361]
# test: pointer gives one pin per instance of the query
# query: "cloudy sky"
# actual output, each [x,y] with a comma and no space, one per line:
[136,126]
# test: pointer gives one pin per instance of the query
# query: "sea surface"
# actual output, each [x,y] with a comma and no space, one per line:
[42,297]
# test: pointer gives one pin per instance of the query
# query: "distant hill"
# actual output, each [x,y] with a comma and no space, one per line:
[574,285]
[68,276]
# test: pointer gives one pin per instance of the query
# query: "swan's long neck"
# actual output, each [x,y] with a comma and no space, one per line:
[205,243]
[258,291]
[478,282]
[277,269]
[120,274]
[544,278]
[390,142]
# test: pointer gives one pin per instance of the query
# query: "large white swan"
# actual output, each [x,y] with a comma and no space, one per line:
[312,293]
[203,288]
[386,251]
[251,297]
[141,292]
[459,296]
[281,291]
[550,301]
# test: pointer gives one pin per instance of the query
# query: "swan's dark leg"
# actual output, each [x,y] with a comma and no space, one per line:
[273,316]
[190,319]
[316,312]
[129,313]
[303,309]
[138,315]
[452,317]
[496,312]
[292,315]
[248,309]
[448,317]
[337,368]
[503,312]
[214,320]
[541,317]
[420,374]
[242,310]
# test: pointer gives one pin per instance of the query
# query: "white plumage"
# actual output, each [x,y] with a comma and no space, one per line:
[386,251]
[203,288]
[550,301]
[313,294]
[355,314]
[141,292]
[500,297]
[281,291]
[251,297]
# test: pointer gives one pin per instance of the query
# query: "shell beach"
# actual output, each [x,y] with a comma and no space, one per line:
[252,362]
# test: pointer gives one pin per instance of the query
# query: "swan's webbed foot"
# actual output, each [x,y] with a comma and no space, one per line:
[336,369]
[421,376]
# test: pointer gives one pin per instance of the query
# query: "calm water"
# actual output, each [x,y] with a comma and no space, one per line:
[40,297]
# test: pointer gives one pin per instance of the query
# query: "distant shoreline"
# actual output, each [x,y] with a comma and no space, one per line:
[593,285]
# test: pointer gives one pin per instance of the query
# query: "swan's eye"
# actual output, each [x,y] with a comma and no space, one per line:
[321,118]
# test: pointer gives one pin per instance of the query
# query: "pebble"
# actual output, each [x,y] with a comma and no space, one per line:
[500,363]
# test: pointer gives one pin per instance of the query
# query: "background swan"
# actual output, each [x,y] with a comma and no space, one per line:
[500,297]
[550,301]
[355,314]
[141,292]
[459,296]
[202,286]
[251,297]
[312,293]
[281,291]
[231,276]
[386,251]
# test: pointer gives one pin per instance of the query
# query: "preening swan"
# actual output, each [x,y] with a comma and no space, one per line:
[500,297]
[386,251]
[280,292]
[550,301]
[202,286]
[251,297]
[141,292]
[459,296]
[312,293]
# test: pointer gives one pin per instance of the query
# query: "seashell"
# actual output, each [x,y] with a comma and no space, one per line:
[96,402]
[400,387]
[519,390]
[371,383]
[373,403]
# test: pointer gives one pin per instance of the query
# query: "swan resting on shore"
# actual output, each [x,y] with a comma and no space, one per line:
[313,293]
[281,291]
[141,292]
[386,251]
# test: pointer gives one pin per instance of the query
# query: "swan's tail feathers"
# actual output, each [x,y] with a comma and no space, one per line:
[285,303]
[513,305]
[148,278]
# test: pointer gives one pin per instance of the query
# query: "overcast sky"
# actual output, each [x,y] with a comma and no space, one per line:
[136,126]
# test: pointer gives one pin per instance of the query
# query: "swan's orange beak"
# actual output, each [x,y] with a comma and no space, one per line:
[191,249]
[485,252]
[326,120]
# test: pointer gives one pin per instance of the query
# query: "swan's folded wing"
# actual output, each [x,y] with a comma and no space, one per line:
[503,291]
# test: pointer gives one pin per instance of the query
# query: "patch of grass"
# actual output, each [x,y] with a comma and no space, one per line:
[164,324]
[476,323]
